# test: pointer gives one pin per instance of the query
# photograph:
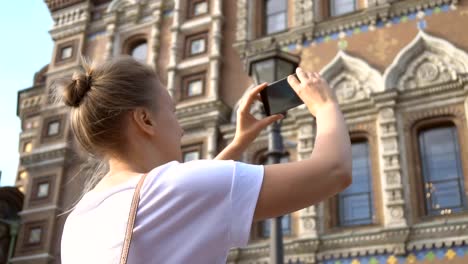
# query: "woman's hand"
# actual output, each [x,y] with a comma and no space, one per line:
[248,127]
[312,89]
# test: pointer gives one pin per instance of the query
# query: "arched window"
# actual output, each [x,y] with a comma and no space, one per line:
[441,168]
[355,203]
[139,51]
[137,47]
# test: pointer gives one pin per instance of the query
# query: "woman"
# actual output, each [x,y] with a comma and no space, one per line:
[190,212]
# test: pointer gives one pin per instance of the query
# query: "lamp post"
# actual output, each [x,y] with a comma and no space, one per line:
[268,67]
[13,226]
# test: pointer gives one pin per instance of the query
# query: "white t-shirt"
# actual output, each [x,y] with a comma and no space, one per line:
[190,212]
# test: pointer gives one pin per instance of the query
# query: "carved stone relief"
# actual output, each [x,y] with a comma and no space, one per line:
[352,78]
[426,61]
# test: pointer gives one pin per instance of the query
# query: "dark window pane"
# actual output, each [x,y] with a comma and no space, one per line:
[444,195]
[442,173]
[355,203]
[285,225]
[340,7]
[355,209]
[139,52]
[276,23]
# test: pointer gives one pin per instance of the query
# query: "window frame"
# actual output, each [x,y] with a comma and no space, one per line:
[419,201]
[58,129]
[331,9]
[191,38]
[357,140]
[186,80]
[261,227]
[191,8]
[28,227]
[265,16]
[73,44]
[36,181]
[196,147]
[132,42]
[364,132]
[45,137]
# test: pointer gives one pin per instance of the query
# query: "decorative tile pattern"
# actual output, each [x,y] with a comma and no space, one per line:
[342,45]
[446,254]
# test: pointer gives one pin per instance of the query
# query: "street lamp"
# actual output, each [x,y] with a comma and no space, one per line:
[13,226]
[268,67]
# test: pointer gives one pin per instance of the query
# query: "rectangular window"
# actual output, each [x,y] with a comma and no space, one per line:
[35,235]
[193,85]
[276,14]
[197,8]
[196,44]
[66,53]
[355,204]
[285,226]
[442,171]
[341,7]
[42,190]
[193,152]
[53,128]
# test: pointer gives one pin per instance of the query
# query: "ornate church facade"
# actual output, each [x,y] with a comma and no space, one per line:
[400,72]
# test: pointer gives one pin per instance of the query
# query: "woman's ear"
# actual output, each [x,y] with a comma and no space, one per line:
[144,120]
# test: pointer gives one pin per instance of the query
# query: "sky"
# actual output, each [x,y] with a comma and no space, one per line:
[25,47]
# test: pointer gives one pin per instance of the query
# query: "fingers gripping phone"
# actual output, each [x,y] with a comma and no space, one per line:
[279,97]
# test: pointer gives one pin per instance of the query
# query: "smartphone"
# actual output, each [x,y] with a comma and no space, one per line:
[279,97]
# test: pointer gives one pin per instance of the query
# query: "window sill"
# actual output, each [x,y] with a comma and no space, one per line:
[357,229]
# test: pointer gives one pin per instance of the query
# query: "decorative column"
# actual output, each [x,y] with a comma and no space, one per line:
[306,137]
[111,27]
[155,31]
[211,146]
[215,55]
[172,67]
[466,102]
[303,12]
[390,170]
[242,21]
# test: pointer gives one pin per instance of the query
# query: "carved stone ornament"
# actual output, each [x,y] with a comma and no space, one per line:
[427,72]
[352,78]
[426,61]
[345,90]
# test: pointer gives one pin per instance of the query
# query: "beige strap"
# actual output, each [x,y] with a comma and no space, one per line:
[131,221]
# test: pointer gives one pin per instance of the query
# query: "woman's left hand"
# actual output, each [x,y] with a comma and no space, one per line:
[248,127]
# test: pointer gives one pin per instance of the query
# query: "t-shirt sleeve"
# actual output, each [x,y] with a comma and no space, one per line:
[245,189]
[218,197]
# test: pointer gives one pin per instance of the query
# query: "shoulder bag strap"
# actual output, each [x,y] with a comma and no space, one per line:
[131,221]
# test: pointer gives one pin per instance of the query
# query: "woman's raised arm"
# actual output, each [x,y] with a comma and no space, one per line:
[292,186]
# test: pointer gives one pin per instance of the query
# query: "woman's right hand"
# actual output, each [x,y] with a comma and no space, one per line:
[312,89]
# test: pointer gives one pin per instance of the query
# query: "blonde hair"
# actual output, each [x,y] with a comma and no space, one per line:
[99,96]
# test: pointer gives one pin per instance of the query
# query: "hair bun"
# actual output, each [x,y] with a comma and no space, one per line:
[74,92]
